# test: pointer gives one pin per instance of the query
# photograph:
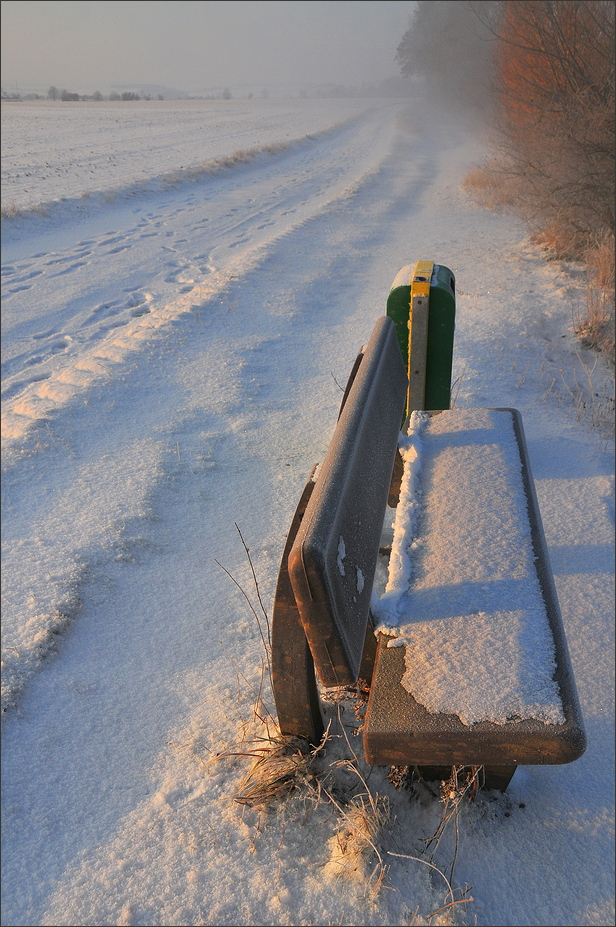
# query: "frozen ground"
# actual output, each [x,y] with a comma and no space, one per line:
[67,151]
[172,354]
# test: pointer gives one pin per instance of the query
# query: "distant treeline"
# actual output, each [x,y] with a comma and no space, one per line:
[54,94]
[391,87]
[69,96]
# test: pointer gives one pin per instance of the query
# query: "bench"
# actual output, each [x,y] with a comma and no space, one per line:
[464,654]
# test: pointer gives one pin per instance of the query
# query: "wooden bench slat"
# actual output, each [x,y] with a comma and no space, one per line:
[332,562]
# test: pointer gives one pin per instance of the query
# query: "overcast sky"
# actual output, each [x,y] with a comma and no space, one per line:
[192,46]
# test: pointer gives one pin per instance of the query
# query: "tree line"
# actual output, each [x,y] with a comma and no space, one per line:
[542,74]
[66,95]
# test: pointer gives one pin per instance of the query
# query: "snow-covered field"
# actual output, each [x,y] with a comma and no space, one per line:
[177,320]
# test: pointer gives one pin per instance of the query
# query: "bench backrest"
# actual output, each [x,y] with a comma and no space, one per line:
[333,559]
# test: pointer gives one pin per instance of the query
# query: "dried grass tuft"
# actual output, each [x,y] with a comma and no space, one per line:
[361,822]
[595,325]
[283,765]
[354,846]
[492,186]
[600,261]
[595,329]
[10,210]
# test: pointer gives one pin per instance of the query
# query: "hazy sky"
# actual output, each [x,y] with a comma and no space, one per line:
[192,46]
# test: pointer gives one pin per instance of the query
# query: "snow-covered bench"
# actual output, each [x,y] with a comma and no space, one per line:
[463,651]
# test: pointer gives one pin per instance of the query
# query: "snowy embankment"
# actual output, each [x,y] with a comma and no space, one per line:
[171,364]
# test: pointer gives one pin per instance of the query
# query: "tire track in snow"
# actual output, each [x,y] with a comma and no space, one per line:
[240,402]
[30,399]
[71,404]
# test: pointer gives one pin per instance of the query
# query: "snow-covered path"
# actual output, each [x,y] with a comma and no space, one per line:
[172,362]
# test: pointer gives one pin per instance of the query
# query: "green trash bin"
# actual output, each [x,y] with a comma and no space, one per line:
[422,306]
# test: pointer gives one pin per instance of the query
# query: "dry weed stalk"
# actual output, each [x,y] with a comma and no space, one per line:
[267,644]
[361,822]
[449,905]
[595,327]
[463,783]
[589,403]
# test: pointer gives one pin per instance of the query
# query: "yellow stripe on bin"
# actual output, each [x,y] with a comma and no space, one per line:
[418,334]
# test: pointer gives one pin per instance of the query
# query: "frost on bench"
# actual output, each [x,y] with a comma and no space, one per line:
[473,654]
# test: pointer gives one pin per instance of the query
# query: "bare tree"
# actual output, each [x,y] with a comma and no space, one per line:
[452,49]
[555,70]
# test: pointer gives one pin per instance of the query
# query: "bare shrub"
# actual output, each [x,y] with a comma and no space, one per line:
[555,161]
[555,71]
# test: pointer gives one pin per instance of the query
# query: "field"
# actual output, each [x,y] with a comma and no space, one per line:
[184,289]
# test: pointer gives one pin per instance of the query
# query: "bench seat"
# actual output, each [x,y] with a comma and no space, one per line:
[481,675]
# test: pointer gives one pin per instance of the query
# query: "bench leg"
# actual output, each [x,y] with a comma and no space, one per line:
[295,688]
[498,777]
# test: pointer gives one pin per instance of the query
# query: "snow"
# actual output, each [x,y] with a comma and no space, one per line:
[463,594]
[172,354]
[341,555]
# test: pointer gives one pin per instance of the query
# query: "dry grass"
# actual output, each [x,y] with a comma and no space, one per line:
[495,186]
[13,211]
[557,237]
[492,186]
[595,325]
[282,765]
[600,260]
[10,210]
[355,845]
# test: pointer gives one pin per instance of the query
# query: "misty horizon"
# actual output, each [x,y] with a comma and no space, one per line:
[192,48]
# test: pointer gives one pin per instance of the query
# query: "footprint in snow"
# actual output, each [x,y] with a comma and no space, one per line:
[17,289]
[69,270]
[136,299]
[60,346]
